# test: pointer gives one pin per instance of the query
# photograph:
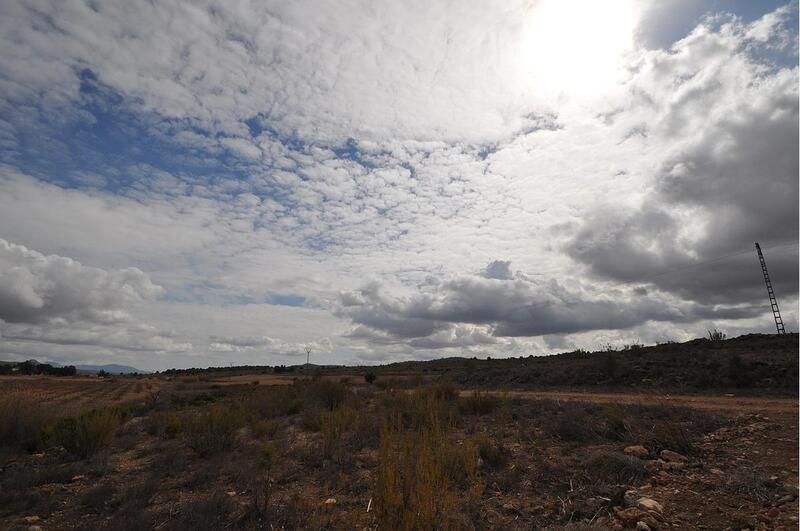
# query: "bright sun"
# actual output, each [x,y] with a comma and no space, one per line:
[576,47]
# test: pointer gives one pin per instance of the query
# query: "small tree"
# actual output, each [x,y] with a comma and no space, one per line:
[370,377]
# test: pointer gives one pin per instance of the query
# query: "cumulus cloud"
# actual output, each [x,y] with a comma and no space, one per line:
[53,300]
[729,179]
[242,156]
[36,288]
[474,310]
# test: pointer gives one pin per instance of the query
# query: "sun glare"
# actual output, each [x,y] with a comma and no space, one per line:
[577,47]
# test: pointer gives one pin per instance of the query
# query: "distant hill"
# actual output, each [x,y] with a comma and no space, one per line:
[55,368]
[110,368]
[764,362]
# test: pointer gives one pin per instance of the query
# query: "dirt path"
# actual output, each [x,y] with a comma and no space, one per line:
[730,404]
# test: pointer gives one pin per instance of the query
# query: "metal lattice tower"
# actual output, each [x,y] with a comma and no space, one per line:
[772,300]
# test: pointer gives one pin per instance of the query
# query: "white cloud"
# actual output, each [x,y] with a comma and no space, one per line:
[399,147]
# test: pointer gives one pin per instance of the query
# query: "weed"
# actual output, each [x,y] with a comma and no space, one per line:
[479,403]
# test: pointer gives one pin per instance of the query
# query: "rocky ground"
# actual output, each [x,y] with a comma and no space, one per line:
[506,462]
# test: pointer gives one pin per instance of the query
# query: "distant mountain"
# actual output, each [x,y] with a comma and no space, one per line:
[110,368]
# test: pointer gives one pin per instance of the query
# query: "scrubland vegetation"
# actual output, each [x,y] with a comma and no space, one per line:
[351,452]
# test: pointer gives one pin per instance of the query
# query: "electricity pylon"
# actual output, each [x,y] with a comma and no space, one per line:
[772,300]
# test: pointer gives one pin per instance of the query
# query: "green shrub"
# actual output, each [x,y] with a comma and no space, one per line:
[370,377]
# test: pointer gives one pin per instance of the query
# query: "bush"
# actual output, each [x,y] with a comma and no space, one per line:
[370,377]
[327,394]
[614,467]
[165,424]
[492,453]
[418,478]
[479,403]
[89,433]
[23,422]
[212,431]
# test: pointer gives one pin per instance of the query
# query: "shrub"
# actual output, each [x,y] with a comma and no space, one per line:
[327,394]
[23,421]
[89,433]
[717,336]
[479,403]
[370,377]
[417,478]
[492,453]
[165,424]
[212,431]
[615,467]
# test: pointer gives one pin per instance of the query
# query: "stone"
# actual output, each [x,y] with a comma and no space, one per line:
[79,477]
[631,514]
[630,498]
[636,451]
[641,526]
[231,493]
[673,457]
[31,519]
[716,471]
[649,504]
[330,501]
[673,466]
[774,512]
[653,466]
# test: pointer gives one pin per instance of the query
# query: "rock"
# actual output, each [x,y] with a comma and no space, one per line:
[330,501]
[31,519]
[786,499]
[629,515]
[231,493]
[79,477]
[673,466]
[716,471]
[630,498]
[35,528]
[653,465]
[673,457]
[636,451]
[649,504]
[641,526]
[774,512]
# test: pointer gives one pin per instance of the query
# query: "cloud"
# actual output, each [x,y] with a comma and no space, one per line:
[36,288]
[728,179]
[368,162]
[55,301]
[499,270]
[471,311]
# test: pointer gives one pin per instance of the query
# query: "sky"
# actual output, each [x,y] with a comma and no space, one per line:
[192,184]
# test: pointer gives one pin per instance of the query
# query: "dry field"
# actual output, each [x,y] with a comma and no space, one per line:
[74,394]
[336,453]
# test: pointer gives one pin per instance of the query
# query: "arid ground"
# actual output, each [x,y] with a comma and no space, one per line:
[413,449]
